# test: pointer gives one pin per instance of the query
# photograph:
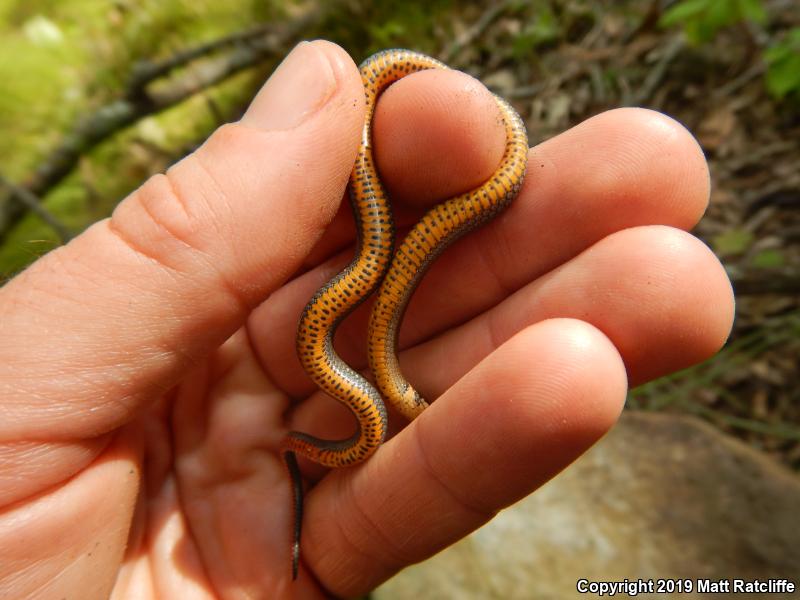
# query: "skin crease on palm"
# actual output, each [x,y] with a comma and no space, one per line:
[148,372]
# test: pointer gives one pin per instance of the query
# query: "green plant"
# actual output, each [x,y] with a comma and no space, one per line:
[691,389]
[702,19]
[783,66]
[543,28]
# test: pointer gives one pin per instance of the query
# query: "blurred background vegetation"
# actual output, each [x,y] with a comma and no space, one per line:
[98,95]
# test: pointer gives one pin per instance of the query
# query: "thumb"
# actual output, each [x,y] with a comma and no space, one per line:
[124,307]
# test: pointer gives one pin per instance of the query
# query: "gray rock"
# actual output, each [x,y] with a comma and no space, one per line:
[660,497]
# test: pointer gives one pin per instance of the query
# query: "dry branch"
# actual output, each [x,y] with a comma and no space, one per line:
[247,49]
[785,284]
[489,16]
[33,204]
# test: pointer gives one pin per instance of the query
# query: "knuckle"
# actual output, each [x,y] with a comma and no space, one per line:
[168,221]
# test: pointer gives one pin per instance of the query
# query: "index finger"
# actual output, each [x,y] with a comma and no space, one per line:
[437,134]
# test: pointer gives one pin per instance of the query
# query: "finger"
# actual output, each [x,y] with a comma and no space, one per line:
[659,295]
[68,542]
[437,134]
[621,169]
[124,308]
[522,415]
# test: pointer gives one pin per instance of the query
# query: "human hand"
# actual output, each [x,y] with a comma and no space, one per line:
[147,369]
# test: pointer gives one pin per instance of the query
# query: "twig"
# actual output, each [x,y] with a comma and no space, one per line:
[779,430]
[525,91]
[145,72]
[134,105]
[734,85]
[769,283]
[648,23]
[759,154]
[489,16]
[33,204]
[656,74]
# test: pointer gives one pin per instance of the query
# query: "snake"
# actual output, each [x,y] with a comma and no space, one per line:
[395,275]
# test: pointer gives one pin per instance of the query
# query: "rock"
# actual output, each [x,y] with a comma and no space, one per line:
[660,497]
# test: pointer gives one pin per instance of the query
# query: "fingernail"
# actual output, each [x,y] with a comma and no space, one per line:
[301,84]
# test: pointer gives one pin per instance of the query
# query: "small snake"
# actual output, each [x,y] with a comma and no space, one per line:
[398,274]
